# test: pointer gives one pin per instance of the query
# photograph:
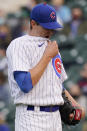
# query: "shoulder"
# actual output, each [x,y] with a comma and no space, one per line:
[22,39]
[19,42]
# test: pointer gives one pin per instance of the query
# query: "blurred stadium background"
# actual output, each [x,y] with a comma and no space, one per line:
[72,41]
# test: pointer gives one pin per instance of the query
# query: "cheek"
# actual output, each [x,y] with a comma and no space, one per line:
[40,30]
[43,31]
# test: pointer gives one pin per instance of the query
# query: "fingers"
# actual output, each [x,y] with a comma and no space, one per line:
[71,116]
[53,43]
[51,49]
[49,42]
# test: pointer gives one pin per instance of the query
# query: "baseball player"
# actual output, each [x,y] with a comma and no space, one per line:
[36,74]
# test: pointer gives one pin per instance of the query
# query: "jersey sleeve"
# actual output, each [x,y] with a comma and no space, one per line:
[20,57]
[63,74]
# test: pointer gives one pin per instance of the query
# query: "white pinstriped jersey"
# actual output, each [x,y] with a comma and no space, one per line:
[23,54]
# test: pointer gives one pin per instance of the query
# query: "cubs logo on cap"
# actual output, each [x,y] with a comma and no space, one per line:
[53,15]
[57,62]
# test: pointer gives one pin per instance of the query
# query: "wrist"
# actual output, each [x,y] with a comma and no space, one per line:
[47,57]
[83,112]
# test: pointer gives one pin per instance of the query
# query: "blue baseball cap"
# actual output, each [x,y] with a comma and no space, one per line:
[45,15]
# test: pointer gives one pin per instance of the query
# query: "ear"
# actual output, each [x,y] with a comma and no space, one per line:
[33,23]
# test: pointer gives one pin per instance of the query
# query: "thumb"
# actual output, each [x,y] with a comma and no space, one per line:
[71,116]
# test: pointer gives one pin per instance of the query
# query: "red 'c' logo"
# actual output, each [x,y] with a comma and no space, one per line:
[52,15]
[58,65]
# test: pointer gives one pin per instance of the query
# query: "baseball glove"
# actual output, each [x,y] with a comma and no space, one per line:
[66,109]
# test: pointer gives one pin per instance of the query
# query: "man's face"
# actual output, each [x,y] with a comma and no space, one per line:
[44,32]
[38,30]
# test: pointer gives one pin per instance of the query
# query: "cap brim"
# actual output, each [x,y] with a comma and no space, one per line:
[51,25]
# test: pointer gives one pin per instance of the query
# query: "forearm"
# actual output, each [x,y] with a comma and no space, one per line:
[51,51]
[75,103]
[38,70]
[71,98]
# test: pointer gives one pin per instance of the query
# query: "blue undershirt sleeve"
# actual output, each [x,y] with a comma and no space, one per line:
[23,80]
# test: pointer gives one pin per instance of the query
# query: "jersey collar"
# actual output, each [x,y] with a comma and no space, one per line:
[35,38]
